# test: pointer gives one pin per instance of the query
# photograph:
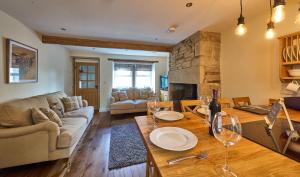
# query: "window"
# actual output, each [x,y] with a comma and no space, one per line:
[133,75]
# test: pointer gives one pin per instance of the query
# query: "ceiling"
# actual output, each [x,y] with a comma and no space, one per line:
[134,20]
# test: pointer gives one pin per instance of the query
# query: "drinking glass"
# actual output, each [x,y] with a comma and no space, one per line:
[205,100]
[153,105]
[227,130]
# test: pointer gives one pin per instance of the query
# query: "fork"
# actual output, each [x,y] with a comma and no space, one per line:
[202,155]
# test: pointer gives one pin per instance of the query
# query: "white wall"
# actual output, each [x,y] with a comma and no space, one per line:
[106,72]
[250,64]
[53,62]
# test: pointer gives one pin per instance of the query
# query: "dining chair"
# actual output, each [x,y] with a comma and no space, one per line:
[225,102]
[190,105]
[164,105]
[241,101]
[272,101]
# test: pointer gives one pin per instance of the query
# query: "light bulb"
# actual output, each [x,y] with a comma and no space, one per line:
[241,29]
[279,13]
[270,33]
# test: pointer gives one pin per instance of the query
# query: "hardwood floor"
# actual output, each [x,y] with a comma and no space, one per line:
[90,158]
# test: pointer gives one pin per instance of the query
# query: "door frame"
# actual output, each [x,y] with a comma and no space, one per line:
[79,59]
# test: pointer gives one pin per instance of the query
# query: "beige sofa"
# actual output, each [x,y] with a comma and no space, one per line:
[136,100]
[39,142]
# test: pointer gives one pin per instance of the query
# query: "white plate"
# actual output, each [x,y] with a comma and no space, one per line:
[169,115]
[173,138]
[284,54]
[203,111]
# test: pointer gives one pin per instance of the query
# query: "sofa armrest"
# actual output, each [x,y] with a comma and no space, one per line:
[85,103]
[50,127]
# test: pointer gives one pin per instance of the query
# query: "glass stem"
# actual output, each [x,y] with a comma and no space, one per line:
[154,122]
[226,158]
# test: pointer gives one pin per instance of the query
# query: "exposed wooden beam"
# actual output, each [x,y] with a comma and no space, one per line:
[131,61]
[105,44]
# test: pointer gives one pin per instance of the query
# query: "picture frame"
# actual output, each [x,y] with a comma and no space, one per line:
[21,63]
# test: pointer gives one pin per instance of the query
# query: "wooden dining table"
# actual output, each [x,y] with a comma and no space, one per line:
[246,158]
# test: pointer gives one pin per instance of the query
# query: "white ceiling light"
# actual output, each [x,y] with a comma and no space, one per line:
[279,13]
[270,26]
[241,28]
[172,29]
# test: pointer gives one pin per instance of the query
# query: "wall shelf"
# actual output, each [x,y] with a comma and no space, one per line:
[290,78]
[291,63]
[289,50]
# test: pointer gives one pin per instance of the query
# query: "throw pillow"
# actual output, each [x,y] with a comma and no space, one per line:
[144,94]
[115,95]
[58,110]
[55,101]
[79,99]
[52,116]
[130,93]
[85,103]
[136,93]
[70,103]
[123,96]
[38,116]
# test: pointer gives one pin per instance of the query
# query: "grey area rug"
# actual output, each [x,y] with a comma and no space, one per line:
[126,145]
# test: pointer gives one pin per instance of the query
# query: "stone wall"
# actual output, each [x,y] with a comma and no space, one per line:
[196,60]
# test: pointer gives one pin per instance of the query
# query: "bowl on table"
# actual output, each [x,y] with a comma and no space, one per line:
[294,72]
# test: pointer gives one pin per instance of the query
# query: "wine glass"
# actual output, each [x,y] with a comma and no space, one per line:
[153,106]
[205,100]
[227,130]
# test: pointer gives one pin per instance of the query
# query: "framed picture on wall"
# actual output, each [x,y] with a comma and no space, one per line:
[22,63]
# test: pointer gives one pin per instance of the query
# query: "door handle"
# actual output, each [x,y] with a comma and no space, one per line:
[96,86]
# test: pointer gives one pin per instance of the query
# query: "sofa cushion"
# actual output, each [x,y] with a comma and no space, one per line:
[123,96]
[127,104]
[70,103]
[71,131]
[145,93]
[38,116]
[130,93]
[54,99]
[52,116]
[115,95]
[79,99]
[140,104]
[86,112]
[17,113]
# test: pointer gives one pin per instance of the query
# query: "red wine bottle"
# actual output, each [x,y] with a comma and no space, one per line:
[214,107]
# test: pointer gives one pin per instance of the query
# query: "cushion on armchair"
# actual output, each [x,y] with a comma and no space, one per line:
[123,96]
[115,95]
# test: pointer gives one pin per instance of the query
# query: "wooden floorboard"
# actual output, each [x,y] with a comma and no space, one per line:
[90,158]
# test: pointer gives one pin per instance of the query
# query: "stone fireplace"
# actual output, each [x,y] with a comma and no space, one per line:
[180,91]
[196,61]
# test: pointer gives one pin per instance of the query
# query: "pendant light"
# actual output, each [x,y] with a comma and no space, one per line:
[297,21]
[241,28]
[279,13]
[270,27]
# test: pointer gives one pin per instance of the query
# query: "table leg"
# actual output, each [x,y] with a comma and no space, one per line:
[148,167]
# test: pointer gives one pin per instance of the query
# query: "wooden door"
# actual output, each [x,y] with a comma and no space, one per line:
[87,82]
